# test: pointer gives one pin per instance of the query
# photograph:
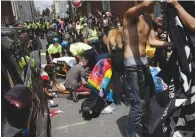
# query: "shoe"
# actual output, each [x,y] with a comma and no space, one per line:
[110,109]
[144,129]
[75,97]
[126,100]
[65,92]
[54,105]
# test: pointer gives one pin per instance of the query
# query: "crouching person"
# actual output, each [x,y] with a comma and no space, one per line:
[76,77]
[46,86]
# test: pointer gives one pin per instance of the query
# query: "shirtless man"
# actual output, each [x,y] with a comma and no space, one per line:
[137,31]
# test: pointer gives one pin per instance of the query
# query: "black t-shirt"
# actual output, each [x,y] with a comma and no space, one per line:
[36,44]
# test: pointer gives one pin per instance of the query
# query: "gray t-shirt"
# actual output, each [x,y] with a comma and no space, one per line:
[73,77]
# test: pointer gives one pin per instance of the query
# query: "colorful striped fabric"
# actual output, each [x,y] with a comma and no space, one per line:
[100,75]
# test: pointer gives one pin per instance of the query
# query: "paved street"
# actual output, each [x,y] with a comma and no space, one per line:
[71,124]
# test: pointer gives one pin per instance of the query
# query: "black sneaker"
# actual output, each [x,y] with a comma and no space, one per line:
[75,97]
[54,105]
[125,100]
[144,130]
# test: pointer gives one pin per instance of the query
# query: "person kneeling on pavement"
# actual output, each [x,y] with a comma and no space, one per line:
[55,49]
[76,77]
[77,49]
[46,84]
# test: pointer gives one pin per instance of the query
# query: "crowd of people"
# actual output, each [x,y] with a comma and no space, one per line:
[131,43]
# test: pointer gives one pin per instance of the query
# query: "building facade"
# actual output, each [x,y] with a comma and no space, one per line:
[115,7]
[60,8]
[23,10]
[110,6]
[17,10]
[6,13]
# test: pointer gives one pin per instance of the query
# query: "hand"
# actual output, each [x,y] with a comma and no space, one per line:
[172,2]
[50,94]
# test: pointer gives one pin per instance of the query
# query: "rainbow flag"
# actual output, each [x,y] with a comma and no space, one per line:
[100,76]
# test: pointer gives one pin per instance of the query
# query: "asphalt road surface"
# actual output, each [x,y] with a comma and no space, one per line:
[71,124]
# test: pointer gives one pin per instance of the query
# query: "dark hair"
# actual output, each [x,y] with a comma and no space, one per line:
[31,35]
[140,1]
[90,56]
[153,62]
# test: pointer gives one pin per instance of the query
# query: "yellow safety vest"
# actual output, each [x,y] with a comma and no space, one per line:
[22,62]
[48,25]
[93,35]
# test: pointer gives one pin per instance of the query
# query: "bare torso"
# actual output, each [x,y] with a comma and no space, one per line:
[136,33]
[115,39]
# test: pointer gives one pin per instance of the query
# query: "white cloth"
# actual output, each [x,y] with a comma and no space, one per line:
[69,60]
[110,109]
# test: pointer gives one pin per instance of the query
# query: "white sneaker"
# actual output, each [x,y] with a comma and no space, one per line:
[109,109]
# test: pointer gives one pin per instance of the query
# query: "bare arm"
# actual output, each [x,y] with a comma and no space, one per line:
[109,48]
[186,18]
[140,9]
[154,42]
[83,81]
[47,92]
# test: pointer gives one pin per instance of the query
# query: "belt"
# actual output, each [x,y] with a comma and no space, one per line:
[136,68]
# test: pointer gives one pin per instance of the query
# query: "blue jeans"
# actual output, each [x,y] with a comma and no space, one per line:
[138,88]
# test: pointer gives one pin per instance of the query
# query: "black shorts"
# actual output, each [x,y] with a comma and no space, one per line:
[118,62]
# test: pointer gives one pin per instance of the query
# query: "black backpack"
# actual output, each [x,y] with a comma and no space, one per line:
[92,107]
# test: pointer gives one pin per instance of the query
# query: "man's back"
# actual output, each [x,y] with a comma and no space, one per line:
[73,77]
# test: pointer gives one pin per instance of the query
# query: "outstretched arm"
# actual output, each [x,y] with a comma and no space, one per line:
[154,42]
[140,9]
[186,18]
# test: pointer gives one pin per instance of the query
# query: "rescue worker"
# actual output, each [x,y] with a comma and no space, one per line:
[28,26]
[37,31]
[93,38]
[48,26]
[25,25]
[33,27]
[55,49]
[42,29]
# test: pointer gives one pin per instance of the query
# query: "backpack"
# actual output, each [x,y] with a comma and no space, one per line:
[158,82]
[92,106]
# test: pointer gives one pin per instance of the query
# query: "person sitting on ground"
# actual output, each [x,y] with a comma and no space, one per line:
[46,87]
[55,49]
[76,77]
[46,83]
